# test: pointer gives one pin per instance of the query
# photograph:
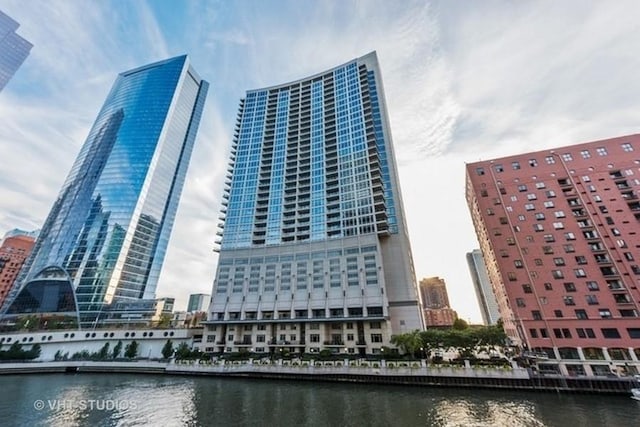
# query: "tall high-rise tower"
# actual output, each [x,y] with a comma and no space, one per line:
[13,49]
[314,250]
[109,227]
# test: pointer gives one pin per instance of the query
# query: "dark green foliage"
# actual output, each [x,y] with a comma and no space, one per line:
[15,352]
[167,350]
[117,349]
[131,350]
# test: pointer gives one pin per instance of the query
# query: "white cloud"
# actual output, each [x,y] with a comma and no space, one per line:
[463,81]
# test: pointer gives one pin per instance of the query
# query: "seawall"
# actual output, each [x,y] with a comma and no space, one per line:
[403,373]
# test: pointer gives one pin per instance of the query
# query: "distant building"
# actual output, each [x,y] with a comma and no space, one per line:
[482,285]
[13,49]
[440,317]
[435,302]
[20,232]
[198,302]
[13,252]
[559,233]
[433,291]
[109,227]
[138,313]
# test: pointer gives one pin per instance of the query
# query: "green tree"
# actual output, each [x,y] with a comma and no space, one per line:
[167,350]
[131,350]
[104,352]
[34,352]
[409,342]
[117,350]
[183,351]
[460,324]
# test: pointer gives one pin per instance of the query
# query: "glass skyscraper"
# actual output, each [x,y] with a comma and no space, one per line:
[13,49]
[314,252]
[110,225]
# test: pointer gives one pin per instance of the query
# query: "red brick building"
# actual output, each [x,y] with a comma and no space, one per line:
[559,230]
[13,252]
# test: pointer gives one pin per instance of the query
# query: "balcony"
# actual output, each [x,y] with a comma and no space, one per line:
[334,343]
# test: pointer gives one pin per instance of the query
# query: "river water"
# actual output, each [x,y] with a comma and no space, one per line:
[141,400]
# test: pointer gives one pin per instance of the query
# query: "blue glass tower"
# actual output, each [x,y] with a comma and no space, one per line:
[110,225]
[314,251]
[13,49]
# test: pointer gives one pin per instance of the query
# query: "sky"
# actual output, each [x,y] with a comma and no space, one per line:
[464,81]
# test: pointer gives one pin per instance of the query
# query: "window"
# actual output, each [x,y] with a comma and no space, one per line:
[533,333]
[499,168]
[605,313]
[610,333]
[538,227]
[536,315]
[558,261]
[591,299]
[568,300]
[593,286]
[520,302]
[627,147]
[512,277]
[548,204]
[559,214]
[579,272]
[557,274]
[567,157]
[550,194]
[628,256]
[581,260]
[558,225]
[539,216]
[526,288]
[515,165]
[544,333]
[581,314]
[586,178]
[569,248]
[533,163]
[521,218]
[569,236]
[539,185]
[376,337]
[557,313]
[518,263]
[550,160]
[601,151]
[529,207]
[538,261]
[531,196]
[570,287]
[585,154]
[480,171]
[522,188]
[549,238]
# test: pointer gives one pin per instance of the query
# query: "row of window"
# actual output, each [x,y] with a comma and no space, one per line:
[565,333]
[567,157]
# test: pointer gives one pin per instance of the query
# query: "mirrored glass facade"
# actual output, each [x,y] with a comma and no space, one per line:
[13,49]
[312,225]
[110,225]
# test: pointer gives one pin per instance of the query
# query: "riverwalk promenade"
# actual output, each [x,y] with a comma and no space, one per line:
[358,371]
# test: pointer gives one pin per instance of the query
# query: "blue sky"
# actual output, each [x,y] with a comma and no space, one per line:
[464,80]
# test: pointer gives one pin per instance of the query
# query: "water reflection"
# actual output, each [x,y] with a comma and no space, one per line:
[137,400]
